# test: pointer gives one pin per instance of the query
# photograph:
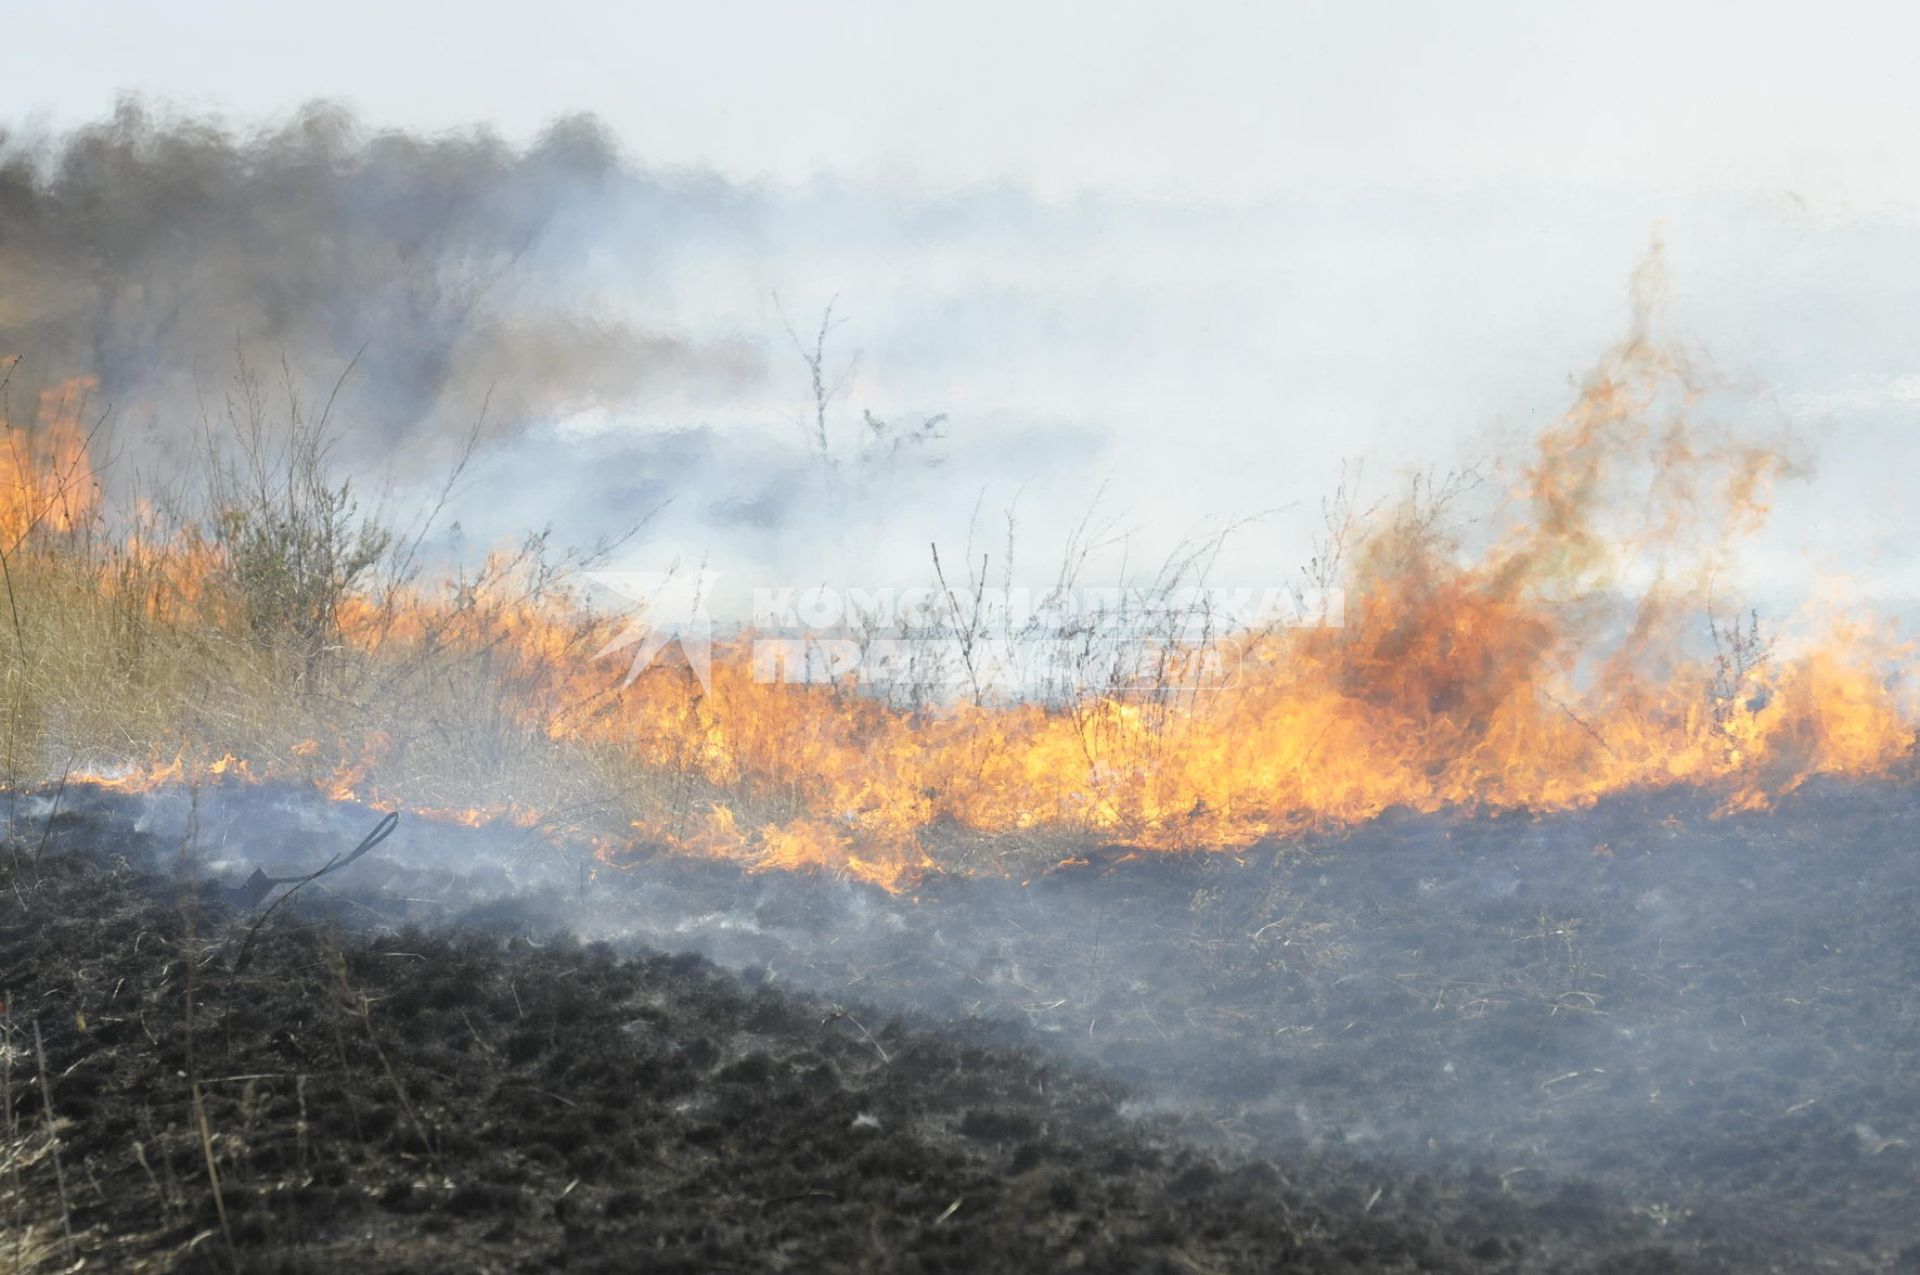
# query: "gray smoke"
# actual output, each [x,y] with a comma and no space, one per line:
[151,251]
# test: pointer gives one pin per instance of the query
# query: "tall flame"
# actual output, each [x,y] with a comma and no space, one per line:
[46,473]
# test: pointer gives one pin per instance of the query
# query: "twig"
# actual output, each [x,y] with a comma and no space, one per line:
[213,1175]
[1581,723]
[6,1096]
[399,1090]
[58,793]
[261,883]
[53,1138]
[841,1013]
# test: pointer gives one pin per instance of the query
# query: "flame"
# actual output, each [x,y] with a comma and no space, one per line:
[46,473]
[1555,661]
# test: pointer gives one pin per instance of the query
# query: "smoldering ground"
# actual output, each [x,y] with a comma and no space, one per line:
[1639,1033]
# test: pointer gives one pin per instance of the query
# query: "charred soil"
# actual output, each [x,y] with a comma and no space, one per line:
[1635,1038]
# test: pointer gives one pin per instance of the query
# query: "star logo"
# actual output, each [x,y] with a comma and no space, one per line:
[667,607]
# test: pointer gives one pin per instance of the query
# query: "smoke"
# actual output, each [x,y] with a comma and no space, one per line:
[624,328]
[149,252]
[617,327]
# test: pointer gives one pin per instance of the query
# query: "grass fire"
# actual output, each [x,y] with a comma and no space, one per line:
[283,635]
[1487,848]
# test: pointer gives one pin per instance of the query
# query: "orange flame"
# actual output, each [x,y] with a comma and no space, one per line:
[1529,675]
[46,474]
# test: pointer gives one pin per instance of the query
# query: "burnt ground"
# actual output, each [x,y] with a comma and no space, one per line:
[480,1102]
[1632,1038]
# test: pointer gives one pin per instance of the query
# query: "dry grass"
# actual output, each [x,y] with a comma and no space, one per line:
[263,616]
[36,1227]
[255,616]
[31,1239]
[258,613]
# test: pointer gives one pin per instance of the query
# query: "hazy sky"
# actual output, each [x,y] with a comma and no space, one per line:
[1223,245]
[1207,99]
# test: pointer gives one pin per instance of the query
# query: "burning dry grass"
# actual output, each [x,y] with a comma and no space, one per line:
[143,646]
[1571,653]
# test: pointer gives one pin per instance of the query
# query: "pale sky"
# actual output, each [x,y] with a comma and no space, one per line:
[1391,231]
[1195,99]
